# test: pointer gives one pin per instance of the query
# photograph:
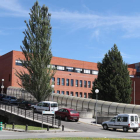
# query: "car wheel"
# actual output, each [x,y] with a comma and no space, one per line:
[125,129]
[114,129]
[25,107]
[135,130]
[105,127]
[76,120]
[66,118]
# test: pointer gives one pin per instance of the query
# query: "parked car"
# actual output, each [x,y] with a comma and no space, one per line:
[24,104]
[10,99]
[2,96]
[47,106]
[67,114]
[123,121]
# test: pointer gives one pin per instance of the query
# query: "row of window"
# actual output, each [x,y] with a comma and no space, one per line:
[80,94]
[73,69]
[70,82]
[65,68]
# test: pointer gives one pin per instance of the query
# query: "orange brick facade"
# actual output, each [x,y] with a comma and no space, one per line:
[8,68]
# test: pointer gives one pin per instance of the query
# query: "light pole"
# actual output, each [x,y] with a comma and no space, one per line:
[52,86]
[2,86]
[96,91]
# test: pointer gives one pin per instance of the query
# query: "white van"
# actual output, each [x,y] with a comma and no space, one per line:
[46,106]
[123,121]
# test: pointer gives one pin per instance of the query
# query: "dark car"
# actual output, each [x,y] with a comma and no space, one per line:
[67,114]
[25,104]
[2,96]
[10,99]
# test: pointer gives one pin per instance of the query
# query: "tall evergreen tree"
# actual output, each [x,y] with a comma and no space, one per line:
[37,52]
[113,79]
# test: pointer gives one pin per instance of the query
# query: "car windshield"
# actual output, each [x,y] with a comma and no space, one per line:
[73,112]
[53,105]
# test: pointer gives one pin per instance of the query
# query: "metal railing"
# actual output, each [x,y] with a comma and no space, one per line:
[30,115]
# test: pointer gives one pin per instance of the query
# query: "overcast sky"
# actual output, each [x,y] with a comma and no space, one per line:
[81,29]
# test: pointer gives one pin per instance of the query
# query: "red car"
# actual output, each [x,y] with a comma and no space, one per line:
[67,114]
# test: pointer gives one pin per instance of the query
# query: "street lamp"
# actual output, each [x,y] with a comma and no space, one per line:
[96,91]
[2,86]
[52,86]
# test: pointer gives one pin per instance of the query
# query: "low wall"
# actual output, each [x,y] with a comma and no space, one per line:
[102,119]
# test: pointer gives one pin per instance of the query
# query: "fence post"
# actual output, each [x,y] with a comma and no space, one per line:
[62,127]
[25,113]
[13,126]
[5,125]
[47,128]
[5,107]
[11,108]
[18,111]
[26,127]
[59,121]
[33,115]
[52,120]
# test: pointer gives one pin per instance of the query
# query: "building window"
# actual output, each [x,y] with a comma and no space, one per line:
[18,62]
[90,95]
[60,68]
[63,81]
[95,72]
[67,82]
[78,70]
[53,81]
[89,84]
[72,82]
[62,92]
[85,95]
[76,83]
[52,66]
[81,83]
[58,81]
[85,83]
[71,93]
[76,94]
[87,71]
[69,69]
[67,92]
[132,76]
[80,94]
[58,91]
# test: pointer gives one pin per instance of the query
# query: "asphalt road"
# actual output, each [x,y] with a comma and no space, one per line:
[98,133]
[80,126]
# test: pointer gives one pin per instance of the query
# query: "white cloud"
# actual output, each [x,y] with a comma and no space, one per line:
[88,19]
[13,7]
[129,25]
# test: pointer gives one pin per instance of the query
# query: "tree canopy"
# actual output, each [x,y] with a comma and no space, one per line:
[113,79]
[37,52]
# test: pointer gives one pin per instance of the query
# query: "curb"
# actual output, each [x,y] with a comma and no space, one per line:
[41,131]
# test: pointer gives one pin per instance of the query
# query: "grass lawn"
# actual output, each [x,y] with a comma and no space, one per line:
[9,126]
[86,138]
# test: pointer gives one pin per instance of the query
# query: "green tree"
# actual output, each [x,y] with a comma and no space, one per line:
[113,79]
[36,49]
